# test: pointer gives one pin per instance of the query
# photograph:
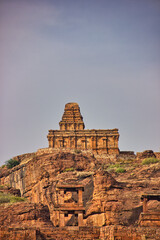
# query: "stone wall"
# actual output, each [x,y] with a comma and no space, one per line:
[129,233]
[99,141]
[127,155]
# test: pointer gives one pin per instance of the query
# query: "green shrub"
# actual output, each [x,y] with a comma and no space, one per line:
[3,166]
[69,169]
[11,163]
[116,165]
[17,199]
[4,198]
[148,161]
[9,198]
[120,170]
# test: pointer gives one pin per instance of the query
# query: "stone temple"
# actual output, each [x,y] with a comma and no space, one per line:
[73,135]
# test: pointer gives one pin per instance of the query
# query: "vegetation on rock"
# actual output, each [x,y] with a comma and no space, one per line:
[69,169]
[120,170]
[11,163]
[9,198]
[148,161]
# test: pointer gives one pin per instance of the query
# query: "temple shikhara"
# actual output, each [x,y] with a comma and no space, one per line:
[73,135]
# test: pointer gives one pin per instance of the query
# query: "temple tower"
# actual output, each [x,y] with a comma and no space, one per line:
[72,118]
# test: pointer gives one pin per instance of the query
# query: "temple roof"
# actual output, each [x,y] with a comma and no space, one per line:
[72,118]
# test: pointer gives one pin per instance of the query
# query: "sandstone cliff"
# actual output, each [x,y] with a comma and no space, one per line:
[111,198]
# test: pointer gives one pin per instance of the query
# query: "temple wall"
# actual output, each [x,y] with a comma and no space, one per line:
[101,142]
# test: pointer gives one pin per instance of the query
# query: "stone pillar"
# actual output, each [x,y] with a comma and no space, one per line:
[61,196]
[145,205]
[75,142]
[51,142]
[85,142]
[80,219]
[94,143]
[62,220]
[105,144]
[70,142]
[80,200]
[61,142]
[116,141]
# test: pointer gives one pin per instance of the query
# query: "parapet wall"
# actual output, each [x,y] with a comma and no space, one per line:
[127,155]
[148,154]
[42,151]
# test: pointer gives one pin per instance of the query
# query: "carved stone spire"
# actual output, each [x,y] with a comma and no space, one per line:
[72,118]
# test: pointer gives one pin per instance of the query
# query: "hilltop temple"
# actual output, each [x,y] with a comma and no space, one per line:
[73,135]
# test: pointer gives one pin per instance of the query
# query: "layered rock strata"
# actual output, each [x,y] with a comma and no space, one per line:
[72,183]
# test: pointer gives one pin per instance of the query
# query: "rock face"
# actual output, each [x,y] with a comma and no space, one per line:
[72,134]
[75,190]
[146,154]
[23,221]
[24,214]
[30,221]
[10,190]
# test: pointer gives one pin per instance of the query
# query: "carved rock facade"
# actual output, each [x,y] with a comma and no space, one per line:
[72,134]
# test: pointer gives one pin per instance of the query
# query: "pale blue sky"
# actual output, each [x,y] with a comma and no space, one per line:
[102,54]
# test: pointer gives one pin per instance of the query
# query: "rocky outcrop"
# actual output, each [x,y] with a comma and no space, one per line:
[109,199]
[24,221]
[10,190]
[146,154]
[19,233]
[25,215]
[30,221]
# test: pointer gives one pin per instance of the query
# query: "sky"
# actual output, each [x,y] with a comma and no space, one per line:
[102,54]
